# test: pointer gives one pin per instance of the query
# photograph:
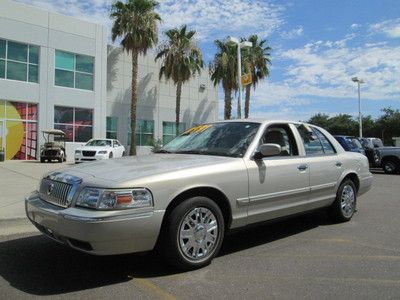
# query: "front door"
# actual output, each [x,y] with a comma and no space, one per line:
[278,185]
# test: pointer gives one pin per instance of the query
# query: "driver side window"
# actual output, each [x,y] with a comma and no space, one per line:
[283,136]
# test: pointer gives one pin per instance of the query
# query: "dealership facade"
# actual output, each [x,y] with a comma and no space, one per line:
[58,72]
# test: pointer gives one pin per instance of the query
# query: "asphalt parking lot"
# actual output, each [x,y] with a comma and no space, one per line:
[306,257]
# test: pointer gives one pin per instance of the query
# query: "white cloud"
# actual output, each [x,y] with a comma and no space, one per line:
[355,26]
[296,32]
[212,19]
[390,28]
[218,18]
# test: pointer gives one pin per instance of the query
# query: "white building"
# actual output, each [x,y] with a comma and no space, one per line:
[58,72]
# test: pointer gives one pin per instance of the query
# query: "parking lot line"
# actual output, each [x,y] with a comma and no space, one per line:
[151,288]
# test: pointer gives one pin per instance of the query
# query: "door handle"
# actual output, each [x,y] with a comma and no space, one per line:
[302,167]
[338,164]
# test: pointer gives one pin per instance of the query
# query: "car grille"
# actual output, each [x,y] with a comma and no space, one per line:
[50,152]
[55,192]
[89,153]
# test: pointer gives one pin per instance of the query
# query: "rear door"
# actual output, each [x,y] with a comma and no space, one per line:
[323,161]
[278,185]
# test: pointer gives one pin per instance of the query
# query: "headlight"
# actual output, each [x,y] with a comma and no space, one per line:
[103,152]
[103,199]
[77,151]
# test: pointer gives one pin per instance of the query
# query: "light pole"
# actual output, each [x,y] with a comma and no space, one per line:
[359,81]
[240,45]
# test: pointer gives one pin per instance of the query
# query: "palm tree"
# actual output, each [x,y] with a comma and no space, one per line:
[182,59]
[136,23]
[223,69]
[256,60]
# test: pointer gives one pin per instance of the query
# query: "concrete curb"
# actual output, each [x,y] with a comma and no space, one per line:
[16,226]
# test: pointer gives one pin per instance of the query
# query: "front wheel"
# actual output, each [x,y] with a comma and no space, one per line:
[194,233]
[390,166]
[344,206]
[110,155]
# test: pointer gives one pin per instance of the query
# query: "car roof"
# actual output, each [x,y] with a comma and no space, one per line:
[261,121]
[54,131]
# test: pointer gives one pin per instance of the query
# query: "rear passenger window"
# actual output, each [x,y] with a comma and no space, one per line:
[312,145]
[327,146]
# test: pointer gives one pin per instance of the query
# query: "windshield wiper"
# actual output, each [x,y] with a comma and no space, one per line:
[205,152]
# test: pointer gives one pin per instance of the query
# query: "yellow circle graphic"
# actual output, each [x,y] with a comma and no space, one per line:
[14,131]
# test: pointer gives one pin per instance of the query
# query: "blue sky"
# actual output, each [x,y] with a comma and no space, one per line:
[317,47]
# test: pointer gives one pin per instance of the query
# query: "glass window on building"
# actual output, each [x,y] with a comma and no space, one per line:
[77,123]
[18,129]
[169,131]
[19,61]
[112,127]
[74,70]
[144,132]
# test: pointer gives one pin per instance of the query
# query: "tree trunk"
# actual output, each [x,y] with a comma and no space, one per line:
[247,101]
[178,106]
[228,104]
[132,150]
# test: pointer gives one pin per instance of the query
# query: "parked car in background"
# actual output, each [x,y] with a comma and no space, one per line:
[377,142]
[389,159]
[350,143]
[210,179]
[99,149]
[371,152]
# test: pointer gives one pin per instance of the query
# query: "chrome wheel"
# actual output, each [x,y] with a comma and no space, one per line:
[198,234]
[347,201]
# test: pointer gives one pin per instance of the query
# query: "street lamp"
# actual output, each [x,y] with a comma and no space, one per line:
[359,81]
[232,40]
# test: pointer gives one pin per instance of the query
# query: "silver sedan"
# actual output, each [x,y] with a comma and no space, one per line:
[210,179]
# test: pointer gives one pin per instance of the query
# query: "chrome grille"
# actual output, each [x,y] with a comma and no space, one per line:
[55,192]
[88,153]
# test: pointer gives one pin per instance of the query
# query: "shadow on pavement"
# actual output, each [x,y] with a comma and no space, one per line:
[40,266]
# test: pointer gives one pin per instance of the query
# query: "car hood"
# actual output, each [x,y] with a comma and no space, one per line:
[138,167]
[93,148]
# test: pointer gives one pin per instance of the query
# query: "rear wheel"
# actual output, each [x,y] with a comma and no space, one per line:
[390,166]
[110,155]
[342,210]
[42,160]
[194,233]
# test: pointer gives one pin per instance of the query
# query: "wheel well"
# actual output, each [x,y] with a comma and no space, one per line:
[353,177]
[214,194]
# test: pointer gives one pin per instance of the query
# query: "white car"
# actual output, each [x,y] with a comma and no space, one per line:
[98,149]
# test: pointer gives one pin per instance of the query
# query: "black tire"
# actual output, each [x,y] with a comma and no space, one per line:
[123,153]
[390,166]
[169,245]
[110,155]
[336,212]
[42,160]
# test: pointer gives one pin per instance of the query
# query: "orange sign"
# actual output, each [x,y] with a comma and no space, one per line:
[246,79]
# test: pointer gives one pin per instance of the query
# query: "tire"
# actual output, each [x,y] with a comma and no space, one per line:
[110,155]
[61,159]
[390,166]
[179,249]
[42,160]
[344,206]
[123,154]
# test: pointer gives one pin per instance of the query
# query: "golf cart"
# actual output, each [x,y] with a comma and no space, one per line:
[54,147]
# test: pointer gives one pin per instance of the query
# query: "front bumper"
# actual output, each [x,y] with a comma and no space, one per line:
[96,232]
[80,158]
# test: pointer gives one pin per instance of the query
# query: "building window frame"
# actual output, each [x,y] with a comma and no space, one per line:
[111,132]
[167,137]
[74,125]
[74,71]
[140,141]
[28,63]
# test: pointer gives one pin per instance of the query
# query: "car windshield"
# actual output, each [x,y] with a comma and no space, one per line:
[99,143]
[224,139]
[377,143]
[356,143]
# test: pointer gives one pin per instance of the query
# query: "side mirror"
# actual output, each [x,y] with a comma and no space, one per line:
[268,150]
